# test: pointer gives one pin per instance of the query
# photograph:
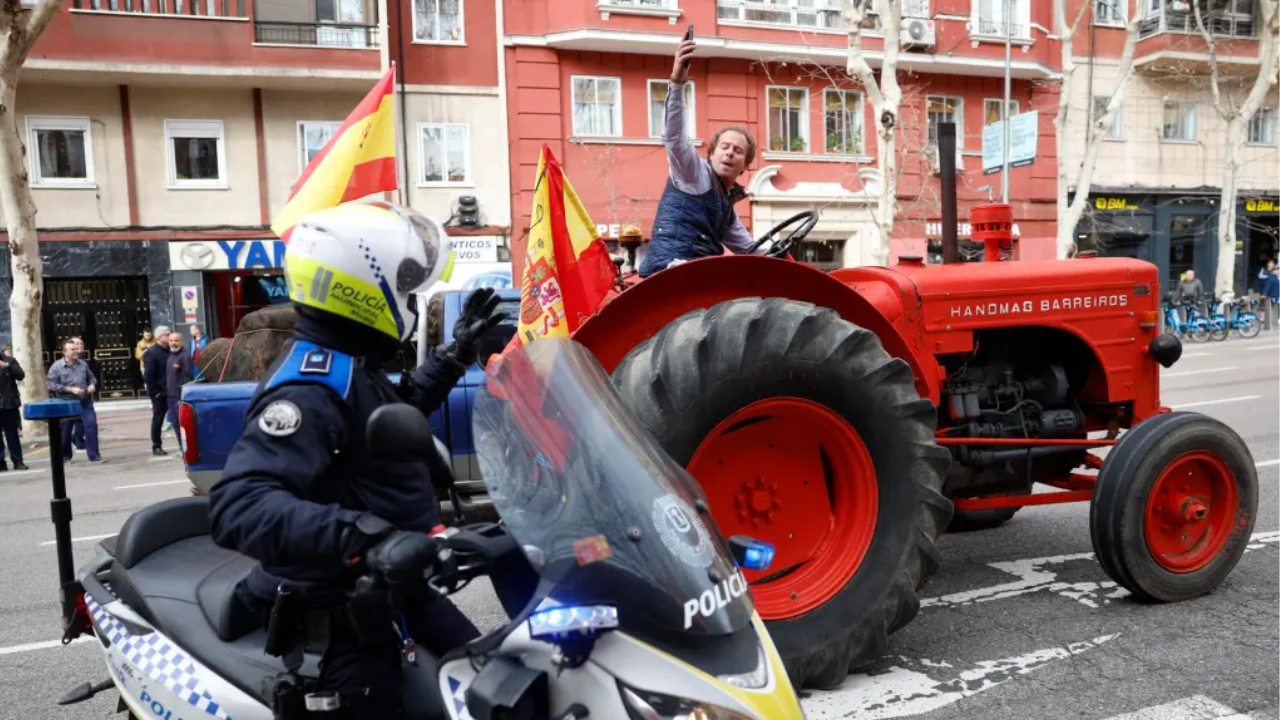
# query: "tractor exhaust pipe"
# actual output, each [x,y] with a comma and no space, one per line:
[947,167]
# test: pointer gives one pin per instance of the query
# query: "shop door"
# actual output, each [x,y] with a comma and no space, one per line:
[109,314]
[1186,249]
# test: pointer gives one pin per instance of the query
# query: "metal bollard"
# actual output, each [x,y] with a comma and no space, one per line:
[54,412]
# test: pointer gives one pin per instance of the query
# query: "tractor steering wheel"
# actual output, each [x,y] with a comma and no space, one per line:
[808,219]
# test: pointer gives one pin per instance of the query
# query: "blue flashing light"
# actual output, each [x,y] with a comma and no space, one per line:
[51,410]
[758,556]
[585,619]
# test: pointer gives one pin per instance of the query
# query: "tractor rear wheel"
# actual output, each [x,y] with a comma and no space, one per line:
[1174,507]
[803,432]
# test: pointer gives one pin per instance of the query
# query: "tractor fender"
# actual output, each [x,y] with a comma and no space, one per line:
[642,310]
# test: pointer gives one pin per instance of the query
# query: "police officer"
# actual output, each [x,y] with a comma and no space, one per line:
[301,491]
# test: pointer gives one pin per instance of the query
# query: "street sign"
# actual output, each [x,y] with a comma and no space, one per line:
[1023,137]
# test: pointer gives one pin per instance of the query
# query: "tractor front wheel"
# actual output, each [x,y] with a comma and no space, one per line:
[1174,507]
[803,432]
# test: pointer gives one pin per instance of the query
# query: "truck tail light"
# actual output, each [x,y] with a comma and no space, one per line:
[187,426]
[1148,319]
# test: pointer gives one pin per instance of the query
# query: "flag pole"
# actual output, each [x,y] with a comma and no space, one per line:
[402,164]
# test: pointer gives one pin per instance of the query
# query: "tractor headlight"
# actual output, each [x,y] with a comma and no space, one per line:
[645,705]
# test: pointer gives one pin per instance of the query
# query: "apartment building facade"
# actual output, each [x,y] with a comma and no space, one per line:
[164,135]
[589,78]
[1156,192]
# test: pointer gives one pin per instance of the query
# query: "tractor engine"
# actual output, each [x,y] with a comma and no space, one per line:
[999,399]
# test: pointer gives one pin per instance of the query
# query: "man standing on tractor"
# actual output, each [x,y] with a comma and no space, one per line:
[695,217]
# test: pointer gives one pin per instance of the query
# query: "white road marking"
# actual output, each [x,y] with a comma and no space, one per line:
[901,692]
[46,645]
[1268,347]
[1040,574]
[1196,372]
[1267,463]
[86,538]
[11,473]
[1196,707]
[1187,355]
[154,484]
[1216,402]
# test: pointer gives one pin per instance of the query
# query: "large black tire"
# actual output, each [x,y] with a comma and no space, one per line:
[1118,513]
[708,364]
[1014,473]
[973,520]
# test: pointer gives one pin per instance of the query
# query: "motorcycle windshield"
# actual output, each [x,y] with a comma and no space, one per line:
[598,507]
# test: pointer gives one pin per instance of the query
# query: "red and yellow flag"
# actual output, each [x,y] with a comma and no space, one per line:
[567,269]
[359,160]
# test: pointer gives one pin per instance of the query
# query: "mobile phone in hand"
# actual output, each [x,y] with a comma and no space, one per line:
[688,35]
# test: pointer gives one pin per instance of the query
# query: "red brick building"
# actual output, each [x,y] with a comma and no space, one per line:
[588,78]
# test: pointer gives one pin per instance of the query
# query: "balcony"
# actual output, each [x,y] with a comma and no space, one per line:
[818,15]
[327,35]
[177,8]
[1223,18]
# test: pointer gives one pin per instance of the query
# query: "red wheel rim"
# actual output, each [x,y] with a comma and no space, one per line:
[1191,511]
[795,474]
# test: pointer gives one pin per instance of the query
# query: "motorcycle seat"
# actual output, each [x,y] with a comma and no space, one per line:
[168,570]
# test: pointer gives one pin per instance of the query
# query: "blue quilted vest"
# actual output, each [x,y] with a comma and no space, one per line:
[687,227]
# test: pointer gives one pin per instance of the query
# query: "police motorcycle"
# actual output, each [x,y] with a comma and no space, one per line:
[624,601]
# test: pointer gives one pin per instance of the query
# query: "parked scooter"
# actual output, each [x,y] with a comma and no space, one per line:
[624,600]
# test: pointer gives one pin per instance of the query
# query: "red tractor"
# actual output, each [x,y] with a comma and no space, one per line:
[844,416]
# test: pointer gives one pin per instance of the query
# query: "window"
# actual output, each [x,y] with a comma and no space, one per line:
[1262,128]
[991,111]
[788,119]
[1117,124]
[658,108]
[940,109]
[597,106]
[842,121]
[1109,12]
[444,153]
[1179,120]
[312,137]
[340,11]
[61,151]
[438,22]
[991,20]
[196,156]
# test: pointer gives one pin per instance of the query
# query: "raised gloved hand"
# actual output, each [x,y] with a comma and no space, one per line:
[479,314]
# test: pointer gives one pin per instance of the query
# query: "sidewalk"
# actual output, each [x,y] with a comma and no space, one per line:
[117,420]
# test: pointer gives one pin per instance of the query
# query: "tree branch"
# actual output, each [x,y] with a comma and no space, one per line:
[855,12]
[1213,60]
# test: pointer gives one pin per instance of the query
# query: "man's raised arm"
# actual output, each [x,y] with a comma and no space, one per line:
[687,170]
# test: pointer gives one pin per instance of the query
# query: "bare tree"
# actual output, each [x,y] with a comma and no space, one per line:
[1079,174]
[886,100]
[21,24]
[1238,117]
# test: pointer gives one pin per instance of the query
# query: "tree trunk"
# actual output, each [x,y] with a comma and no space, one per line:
[1224,284]
[20,221]
[887,148]
[886,100]
[1066,223]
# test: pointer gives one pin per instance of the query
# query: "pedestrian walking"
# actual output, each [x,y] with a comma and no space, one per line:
[71,379]
[198,343]
[10,402]
[179,371]
[77,427]
[155,362]
[147,342]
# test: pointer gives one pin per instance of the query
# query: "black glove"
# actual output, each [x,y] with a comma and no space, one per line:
[402,556]
[479,314]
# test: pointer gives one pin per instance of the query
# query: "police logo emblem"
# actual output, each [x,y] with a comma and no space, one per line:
[682,531]
[281,419]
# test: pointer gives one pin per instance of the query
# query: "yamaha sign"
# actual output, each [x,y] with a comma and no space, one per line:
[226,255]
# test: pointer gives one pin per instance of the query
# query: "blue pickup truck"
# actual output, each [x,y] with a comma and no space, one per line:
[211,415]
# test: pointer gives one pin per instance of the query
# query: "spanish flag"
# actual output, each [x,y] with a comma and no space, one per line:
[567,270]
[359,160]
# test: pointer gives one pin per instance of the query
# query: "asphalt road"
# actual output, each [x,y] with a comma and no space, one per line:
[1020,623]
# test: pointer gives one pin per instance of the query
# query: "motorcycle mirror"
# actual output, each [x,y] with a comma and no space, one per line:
[399,432]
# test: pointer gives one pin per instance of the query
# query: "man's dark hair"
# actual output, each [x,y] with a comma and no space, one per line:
[751,142]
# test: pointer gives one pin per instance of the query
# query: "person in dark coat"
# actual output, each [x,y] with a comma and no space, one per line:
[155,360]
[179,370]
[10,405]
[303,491]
